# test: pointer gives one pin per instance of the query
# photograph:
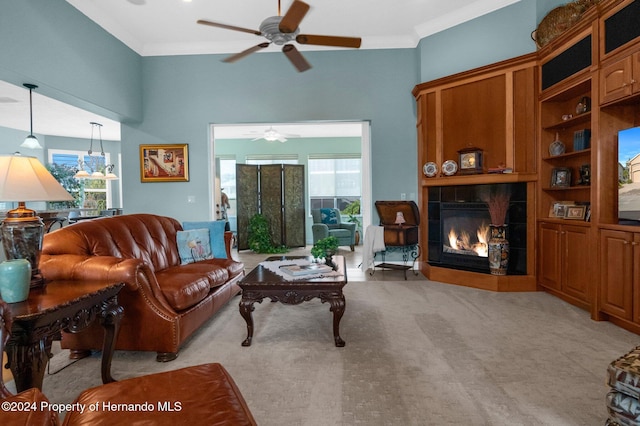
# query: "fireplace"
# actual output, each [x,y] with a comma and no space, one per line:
[459,228]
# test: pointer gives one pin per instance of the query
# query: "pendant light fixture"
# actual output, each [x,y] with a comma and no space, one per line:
[31,142]
[95,165]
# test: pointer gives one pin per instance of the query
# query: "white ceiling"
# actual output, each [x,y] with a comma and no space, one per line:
[168,27]
[50,117]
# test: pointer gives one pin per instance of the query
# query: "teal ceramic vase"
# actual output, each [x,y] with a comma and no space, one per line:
[15,277]
[498,250]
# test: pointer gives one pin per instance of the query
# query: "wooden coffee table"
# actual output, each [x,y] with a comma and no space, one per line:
[261,283]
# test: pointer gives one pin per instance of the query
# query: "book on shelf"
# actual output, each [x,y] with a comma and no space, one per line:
[581,139]
[312,268]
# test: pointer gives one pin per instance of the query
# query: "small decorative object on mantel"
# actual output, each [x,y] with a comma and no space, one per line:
[497,199]
[471,160]
[557,146]
[430,169]
[449,168]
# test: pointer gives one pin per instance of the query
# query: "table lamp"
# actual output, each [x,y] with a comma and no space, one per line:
[400,218]
[24,178]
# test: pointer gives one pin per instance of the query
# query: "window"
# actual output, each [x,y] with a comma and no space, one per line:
[272,159]
[94,193]
[334,181]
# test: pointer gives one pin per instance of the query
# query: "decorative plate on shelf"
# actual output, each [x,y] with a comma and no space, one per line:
[449,167]
[430,169]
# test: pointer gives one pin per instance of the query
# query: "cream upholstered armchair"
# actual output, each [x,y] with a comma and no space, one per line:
[327,223]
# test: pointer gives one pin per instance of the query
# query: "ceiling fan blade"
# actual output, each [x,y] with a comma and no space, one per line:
[293,17]
[244,53]
[296,57]
[323,40]
[228,27]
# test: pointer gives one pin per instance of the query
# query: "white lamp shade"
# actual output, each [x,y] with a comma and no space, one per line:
[31,142]
[24,178]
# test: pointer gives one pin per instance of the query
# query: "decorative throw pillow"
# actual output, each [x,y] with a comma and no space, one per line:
[329,216]
[216,235]
[193,245]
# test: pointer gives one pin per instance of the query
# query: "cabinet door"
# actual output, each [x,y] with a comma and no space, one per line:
[549,256]
[635,73]
[575,261]
[616,269]
[636,278]
[615,80]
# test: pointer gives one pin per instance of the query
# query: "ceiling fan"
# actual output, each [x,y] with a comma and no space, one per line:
[282,30]
[272,134]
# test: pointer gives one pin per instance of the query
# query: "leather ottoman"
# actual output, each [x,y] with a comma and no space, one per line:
[203,394]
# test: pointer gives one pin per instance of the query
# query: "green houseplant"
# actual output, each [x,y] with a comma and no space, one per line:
[260,236]
[325,248]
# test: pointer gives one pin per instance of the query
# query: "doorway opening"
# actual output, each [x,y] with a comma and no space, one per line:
[291,143]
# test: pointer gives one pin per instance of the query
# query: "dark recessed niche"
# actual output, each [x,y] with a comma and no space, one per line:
[622,27]
[574,59]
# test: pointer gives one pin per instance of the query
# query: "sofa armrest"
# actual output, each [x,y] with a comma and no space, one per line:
[319,231]
[134,273]
[228,243]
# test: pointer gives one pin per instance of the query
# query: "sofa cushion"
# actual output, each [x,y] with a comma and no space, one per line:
[233,267]
[186,285]
[216,235]
[193,245]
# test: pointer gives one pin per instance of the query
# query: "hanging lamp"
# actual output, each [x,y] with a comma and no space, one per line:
[97,174]
[31,142]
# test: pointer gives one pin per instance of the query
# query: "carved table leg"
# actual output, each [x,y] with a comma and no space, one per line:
[110,318]
[337,303]
[246,307]
[29,362]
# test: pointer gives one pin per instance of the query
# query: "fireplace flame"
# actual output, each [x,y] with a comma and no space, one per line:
[462,241]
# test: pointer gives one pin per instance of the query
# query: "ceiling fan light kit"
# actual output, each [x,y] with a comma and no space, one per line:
[281,30]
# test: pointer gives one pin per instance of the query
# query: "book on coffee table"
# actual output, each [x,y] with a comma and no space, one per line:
[312,268]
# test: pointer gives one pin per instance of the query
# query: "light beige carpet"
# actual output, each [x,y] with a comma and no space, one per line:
[417,353]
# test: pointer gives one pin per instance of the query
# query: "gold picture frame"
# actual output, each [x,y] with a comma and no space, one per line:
[575,212]
[164,163]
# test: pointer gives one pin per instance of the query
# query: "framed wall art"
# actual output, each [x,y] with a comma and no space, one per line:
[164,163]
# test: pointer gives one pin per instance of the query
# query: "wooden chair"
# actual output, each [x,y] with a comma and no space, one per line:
[202,394]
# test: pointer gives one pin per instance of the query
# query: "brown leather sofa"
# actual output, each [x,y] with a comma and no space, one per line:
[164,302]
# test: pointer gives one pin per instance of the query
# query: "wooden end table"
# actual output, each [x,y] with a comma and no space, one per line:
[60,305]
[261,283]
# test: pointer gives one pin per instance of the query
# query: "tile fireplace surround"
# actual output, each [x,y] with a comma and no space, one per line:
[459,210]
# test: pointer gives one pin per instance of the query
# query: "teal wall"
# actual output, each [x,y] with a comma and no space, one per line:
[51,44]
[174,99]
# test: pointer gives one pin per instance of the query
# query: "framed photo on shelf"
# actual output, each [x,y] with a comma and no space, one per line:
[575,212]
[164,163]
[559,209]
[561,177]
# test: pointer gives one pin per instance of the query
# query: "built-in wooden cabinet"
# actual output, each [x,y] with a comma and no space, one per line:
[564,264]
[620,79]
[620,274]
[593,264]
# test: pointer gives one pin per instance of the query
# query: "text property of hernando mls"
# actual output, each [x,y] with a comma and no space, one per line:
[162,406]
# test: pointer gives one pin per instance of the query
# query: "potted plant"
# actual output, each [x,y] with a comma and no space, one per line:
[325,248]
[260,236]
[356,220]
